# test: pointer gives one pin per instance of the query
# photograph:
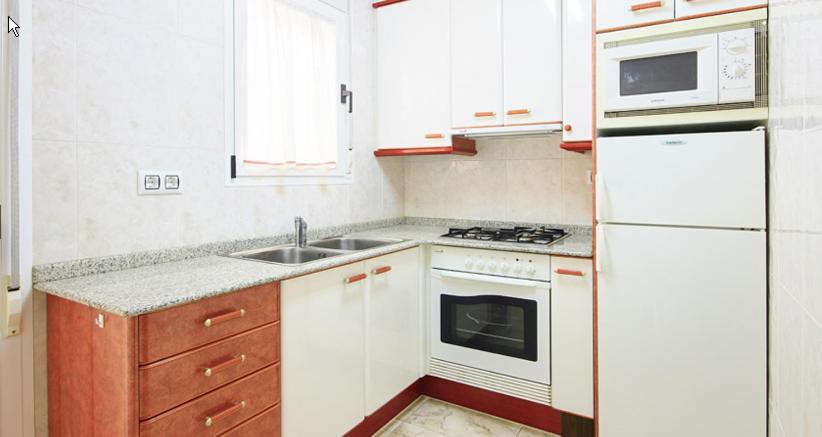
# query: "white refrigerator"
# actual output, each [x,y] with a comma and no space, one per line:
[682,285]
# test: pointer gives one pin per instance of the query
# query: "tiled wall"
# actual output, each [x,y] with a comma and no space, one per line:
[795,402]
[525,179]
[122,85]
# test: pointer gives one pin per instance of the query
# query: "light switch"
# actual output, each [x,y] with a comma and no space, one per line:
[172,182]
[155,182]
[151,182]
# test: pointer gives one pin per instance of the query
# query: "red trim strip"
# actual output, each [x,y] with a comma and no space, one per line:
[577,146]
[382,3]
[413,151]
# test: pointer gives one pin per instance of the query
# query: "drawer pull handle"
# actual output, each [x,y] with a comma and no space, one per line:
[230,411]
[434,136]
[485,114]
[381,270]
[518,112]
[236,361]
[355,278]
[211,321]
[643,6]
[568,272]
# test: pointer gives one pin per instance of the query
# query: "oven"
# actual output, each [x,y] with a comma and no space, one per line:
[484,320]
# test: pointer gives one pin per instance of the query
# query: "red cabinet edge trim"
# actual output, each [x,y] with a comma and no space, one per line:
[382,3]
[577,146]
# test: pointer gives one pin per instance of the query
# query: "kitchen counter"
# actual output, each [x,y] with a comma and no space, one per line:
[151,288]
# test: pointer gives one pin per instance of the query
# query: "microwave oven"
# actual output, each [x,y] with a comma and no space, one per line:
[695,71]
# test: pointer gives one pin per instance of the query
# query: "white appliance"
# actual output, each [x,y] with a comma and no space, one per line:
[490,320]
[682,297]
[705,65]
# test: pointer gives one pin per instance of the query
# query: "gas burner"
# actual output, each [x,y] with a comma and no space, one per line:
[519,234]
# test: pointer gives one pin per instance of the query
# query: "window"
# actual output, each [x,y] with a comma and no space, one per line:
[287,110]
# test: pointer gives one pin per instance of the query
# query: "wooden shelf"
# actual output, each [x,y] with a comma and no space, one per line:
[577,146]
[459,146]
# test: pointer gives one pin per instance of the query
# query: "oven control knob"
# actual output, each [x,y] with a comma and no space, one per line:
[492,265]
[530,269]
[517,268]
[504,267]
[736,46]
[480,264]
[469,263]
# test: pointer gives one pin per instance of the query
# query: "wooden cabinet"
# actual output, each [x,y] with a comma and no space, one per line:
[572,335]
[505,62]
[393,326]
[687,8]
[577,72]
[616,14]
[323,347]
[413,81]
[532,61]
[196,369]
[476,63]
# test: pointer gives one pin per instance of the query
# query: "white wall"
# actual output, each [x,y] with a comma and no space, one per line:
[796,218]
[124,85]
[526,179]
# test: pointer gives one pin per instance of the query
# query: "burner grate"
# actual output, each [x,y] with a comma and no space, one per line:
[540,235]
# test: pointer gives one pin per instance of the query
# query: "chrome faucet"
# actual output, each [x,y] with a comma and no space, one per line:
[300,230]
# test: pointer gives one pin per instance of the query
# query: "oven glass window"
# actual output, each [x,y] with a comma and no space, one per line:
[658,74]
[497,324]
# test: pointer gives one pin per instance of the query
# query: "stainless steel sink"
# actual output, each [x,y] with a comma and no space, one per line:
[352,243]
[289,255]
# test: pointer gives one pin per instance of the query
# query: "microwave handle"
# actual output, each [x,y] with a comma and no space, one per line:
[487,279]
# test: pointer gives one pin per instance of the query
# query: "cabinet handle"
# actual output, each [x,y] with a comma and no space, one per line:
[643,6]
[230,411]
[485,114]
[355,278]
[568,272]
[225,365]
[434,136]
[211,321]
[518,112]
[568,128]
[381,270]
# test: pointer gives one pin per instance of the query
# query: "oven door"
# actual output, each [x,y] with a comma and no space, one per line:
[492,323]
[660,74]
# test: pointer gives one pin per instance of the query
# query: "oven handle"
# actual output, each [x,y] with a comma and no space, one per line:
[488,278]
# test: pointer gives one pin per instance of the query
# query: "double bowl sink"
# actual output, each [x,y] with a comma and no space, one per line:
[314,251]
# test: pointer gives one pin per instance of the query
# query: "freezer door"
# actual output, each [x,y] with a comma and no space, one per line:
[714,179]
[681,332]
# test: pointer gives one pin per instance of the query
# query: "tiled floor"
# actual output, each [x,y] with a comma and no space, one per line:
[429,417]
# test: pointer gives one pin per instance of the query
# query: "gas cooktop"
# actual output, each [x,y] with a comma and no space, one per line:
[540,235]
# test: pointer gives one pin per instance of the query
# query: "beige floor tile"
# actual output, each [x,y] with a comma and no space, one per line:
[399,428]
[454,421]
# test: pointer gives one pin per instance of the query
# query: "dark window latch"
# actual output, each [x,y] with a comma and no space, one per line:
[347,96]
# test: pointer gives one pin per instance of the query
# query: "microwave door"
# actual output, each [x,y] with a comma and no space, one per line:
[661,74]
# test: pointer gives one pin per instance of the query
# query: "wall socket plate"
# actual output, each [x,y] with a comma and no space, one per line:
[156,182]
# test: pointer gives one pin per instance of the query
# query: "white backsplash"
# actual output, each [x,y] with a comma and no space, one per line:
[524,179]
[795,218]
[121,86]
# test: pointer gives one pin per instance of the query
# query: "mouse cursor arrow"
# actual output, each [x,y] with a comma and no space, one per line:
[13,27]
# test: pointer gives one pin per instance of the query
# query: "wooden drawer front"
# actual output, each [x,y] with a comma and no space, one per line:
[223,406]
[179,329]
[266,423]
[170,382]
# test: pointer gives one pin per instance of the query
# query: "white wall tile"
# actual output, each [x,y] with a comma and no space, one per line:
[54,202]
[202,19]
[534,192]
[54,72]
[150,13]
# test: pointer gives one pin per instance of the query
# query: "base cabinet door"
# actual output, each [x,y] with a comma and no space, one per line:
[572,335]
[393,326]
[322,352]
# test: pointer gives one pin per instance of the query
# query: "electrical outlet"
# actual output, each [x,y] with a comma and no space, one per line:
[151,182]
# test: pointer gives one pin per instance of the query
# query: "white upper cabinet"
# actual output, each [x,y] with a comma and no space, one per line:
[413,81]
[625,13]
[685,8]
[532,61]
[577,73]
[476,62]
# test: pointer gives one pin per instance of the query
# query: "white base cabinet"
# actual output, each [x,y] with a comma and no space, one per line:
[350,342]
[572,335]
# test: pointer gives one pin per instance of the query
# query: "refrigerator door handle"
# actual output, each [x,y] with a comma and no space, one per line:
[600,248]
[599,186]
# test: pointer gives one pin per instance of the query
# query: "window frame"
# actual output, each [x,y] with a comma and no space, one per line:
[234,173]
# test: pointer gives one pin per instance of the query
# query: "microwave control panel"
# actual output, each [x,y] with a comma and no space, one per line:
[737,72]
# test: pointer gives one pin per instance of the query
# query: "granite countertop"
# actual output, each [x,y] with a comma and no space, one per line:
[150,288]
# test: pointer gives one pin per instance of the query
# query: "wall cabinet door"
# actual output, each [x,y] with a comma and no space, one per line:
[413,79]
[532,61]
[577,73]
[686,8]
[393,327]
[323,344]
[572,335]
[476,63]
[625,13]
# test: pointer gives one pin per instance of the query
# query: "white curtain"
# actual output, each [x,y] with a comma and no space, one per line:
[289,90]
